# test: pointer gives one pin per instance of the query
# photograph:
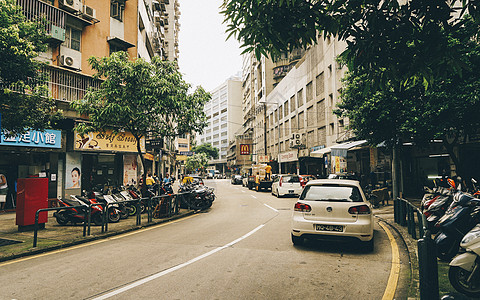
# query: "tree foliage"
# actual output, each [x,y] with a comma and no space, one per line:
[207,148]
[450,106]
[24,99]
[196,161]
[146,99]
[395,40]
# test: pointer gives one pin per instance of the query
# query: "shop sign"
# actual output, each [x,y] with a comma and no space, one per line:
[187,153]
[317,148]
[244,149]
[32,138]
[148,156]
[107,141]
[287,156]
[263,158]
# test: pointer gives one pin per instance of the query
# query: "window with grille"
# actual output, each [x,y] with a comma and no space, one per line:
[117,9]
[73,38]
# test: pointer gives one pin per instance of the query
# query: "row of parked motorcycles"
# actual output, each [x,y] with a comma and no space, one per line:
[193,196]
[453,215]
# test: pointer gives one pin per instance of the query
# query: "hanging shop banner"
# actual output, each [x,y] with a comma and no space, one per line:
[107,141]
[130,167]
[339,164]
[32,138]
[244,149]
[73,176]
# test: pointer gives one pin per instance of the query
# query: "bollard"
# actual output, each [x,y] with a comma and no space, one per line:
[428,268]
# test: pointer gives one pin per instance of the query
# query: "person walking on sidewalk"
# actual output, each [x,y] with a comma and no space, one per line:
[3,191]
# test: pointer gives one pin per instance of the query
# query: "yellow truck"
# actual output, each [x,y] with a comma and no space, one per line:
[264,181]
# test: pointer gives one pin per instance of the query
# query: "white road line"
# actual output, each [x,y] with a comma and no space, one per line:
[167,271]
[253,196]
[275,210]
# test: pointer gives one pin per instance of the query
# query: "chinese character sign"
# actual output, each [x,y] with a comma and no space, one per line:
[32,138]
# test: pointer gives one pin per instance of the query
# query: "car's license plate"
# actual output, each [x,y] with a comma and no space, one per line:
[321,227]
[290,191]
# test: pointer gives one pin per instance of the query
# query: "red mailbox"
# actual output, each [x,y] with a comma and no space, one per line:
[32,195]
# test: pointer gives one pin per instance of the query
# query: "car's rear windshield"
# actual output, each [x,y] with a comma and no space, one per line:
[291,179]
[332,193]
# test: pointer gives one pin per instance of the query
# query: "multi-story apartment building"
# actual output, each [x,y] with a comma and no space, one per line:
[223,119]
[79,29]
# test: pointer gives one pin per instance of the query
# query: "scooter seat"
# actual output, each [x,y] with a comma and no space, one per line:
[73,202]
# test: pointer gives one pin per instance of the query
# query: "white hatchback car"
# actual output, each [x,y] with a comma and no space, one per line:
[287,184]
[332,209]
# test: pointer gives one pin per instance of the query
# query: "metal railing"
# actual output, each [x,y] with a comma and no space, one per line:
[165,206]
[404,214]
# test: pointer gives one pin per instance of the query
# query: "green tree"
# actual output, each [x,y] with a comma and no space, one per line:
[447,110]
[395,40]
[146,99]
[196,161]
[206,148]
[24,99]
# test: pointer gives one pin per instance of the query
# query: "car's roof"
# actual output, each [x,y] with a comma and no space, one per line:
[345,182]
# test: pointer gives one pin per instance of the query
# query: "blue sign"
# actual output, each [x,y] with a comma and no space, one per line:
[32,138]
[187,153]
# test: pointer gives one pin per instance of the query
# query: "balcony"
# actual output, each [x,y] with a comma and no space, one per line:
[52,18]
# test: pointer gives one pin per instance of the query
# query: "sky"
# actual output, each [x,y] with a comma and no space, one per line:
[205,57]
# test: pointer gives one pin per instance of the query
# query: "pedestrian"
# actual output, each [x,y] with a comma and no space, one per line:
[167,179]
[268,172]
[149,181]
[3,191]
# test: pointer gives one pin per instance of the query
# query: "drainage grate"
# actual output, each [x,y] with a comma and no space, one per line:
[6,242]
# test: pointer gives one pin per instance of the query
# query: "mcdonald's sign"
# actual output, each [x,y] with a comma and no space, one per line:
[244,149]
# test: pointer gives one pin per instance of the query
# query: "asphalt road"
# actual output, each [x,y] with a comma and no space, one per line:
[240,249]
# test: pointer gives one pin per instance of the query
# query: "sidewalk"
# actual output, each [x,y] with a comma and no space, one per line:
[15,244]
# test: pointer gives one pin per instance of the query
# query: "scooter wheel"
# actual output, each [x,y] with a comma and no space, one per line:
[62,218]
[132,210]
[113,215]
[459,279]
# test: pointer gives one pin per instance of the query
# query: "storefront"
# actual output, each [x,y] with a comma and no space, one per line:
[288,162]
[102,159]
[33,154]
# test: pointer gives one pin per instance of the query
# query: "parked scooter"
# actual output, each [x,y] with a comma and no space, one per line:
[77,215]
[462,215]
[464,272]
[198,197]
[434,205]
[113,212]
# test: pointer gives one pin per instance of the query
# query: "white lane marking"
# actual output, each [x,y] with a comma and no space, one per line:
[243,191]
[253,196]
[167,271]
[275,210]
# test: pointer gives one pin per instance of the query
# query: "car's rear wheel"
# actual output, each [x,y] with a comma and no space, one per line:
[369,246]
[297,240]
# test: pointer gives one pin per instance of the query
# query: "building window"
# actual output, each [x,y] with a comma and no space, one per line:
[72,38]
[117,8]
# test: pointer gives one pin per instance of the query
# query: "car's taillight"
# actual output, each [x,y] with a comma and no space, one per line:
[280,182]
[361,210]
[302,182]
[302,207]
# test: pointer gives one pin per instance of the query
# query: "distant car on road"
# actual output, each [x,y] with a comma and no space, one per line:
[332,209]
[236,179]
[287,184]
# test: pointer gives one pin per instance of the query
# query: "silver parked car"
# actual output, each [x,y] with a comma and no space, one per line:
[287,185]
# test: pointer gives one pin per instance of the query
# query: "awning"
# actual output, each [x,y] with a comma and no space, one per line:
[341,149]
[320,152]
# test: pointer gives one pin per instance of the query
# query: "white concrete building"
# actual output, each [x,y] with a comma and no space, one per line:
[224,117]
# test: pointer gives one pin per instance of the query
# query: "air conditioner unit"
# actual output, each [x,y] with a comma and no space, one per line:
[70,58]
[89,12]
[296,140]
[71,5]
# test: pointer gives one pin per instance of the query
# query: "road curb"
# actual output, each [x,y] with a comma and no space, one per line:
[410,245]
[94,238]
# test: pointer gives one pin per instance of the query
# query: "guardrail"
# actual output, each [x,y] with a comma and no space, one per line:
[165,206]
[404,213]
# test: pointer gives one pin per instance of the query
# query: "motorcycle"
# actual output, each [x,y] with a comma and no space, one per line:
[78,215]
[114,212]
[464,272]
[197,197]
[434,205]
[462,215]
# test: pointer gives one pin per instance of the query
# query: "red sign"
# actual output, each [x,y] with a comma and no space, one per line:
[244,149]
